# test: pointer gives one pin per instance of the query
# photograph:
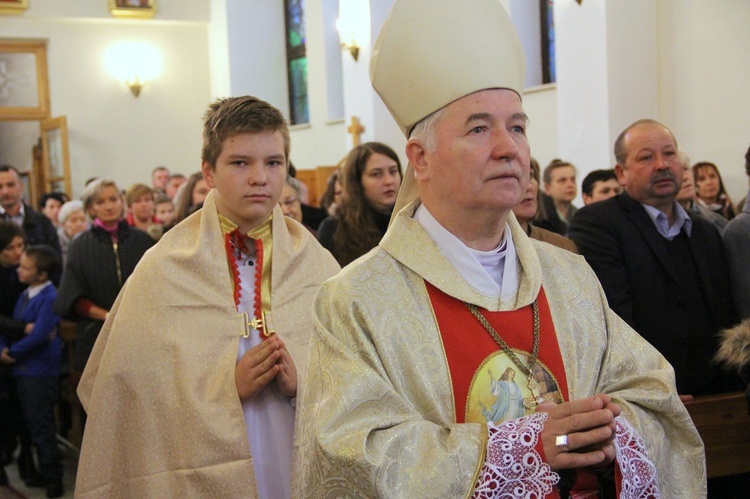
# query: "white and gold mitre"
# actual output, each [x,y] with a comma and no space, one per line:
[430,53]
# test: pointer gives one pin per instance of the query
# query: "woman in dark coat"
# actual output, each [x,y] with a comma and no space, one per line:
[370,178]
[99,262]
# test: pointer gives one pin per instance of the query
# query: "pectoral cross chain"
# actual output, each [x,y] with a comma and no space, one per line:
[536,398]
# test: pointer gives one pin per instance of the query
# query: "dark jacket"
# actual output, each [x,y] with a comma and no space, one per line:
[548,219]
[11,330]
[642,283]
[96,272]
[331,225]
[39,230]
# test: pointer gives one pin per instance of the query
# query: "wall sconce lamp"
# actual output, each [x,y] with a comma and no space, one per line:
[133,63]
[346,35]
[579,2]
[353,25]
[135,86]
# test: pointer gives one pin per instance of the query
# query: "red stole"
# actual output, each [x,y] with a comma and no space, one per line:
[467,344]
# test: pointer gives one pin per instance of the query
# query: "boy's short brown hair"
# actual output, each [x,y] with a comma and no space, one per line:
[235,115]
[44,257]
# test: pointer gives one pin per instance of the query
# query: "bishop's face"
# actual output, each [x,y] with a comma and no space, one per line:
[480,165]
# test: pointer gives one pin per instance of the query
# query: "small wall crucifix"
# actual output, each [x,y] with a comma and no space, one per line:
[356,129]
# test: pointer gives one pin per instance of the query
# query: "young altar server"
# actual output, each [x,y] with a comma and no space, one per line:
[191,387]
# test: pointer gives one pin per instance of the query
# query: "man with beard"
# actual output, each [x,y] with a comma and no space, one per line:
[663,269]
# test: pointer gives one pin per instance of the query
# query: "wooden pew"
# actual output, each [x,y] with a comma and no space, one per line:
[316,181]
[724,425]
[70,383]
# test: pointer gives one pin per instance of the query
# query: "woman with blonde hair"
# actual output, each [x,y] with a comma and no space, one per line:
[370,179]
[100,260]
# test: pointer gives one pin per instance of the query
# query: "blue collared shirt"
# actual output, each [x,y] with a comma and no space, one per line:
[681,221]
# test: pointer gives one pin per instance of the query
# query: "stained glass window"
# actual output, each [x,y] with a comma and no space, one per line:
[548,41]
[296,61]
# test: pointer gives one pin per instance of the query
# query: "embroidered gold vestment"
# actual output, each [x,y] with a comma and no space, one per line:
[378,409]
[164,417]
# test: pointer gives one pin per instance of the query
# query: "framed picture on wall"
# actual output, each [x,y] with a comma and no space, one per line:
[24,86]
[14,7]
[143,9]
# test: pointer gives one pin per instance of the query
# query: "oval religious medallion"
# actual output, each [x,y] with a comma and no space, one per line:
[499,391]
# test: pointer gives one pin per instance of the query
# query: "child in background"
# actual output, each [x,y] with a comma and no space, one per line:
[165,210]
[36,359]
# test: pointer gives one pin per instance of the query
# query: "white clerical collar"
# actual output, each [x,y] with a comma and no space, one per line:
[473,265]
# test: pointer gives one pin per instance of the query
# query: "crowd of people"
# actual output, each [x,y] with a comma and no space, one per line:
[220,348]
[67,261]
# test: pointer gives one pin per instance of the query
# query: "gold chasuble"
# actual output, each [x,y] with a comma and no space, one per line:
[164,417]
[383,414]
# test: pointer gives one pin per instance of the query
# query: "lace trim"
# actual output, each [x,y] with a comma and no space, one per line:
[638,472]
[513,467]
[234,243]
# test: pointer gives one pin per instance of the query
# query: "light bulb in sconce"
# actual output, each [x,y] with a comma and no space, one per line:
[348,41]
[353,25]
[133,63]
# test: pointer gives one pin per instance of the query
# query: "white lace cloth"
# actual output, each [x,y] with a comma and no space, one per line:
[514,469]
[638,472]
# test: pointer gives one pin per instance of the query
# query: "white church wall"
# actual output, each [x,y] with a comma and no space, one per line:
[257,51]
[632,66]
[526,14]
[218,50]
[540,104]
[382,127]
[332,53]
[704,70]
[111,133]
[582,86]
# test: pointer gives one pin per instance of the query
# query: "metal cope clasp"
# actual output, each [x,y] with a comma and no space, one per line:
[264,324]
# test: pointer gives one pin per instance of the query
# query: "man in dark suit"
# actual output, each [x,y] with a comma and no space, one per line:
[37,227]
[663,270]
